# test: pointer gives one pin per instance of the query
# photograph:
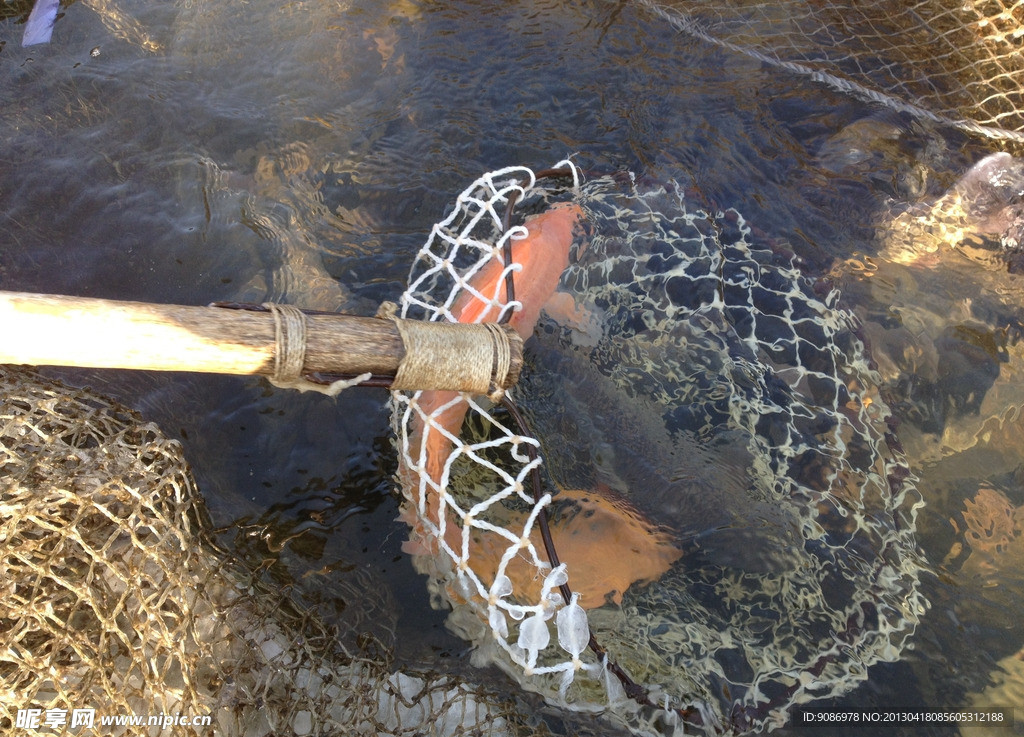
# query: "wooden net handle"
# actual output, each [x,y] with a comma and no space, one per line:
[54,330]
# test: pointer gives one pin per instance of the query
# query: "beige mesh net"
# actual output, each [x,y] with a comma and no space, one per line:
[117,602]
[955,63]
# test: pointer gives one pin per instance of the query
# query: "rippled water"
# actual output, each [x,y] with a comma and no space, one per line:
[196,151]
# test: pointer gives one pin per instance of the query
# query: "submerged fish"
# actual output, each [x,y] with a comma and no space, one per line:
[736,406]
[607,544]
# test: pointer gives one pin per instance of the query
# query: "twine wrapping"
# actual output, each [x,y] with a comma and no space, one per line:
[476,358]
[290,335]
[290,353]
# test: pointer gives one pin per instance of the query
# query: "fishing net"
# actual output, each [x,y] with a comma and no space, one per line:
[726,398]
[118,602]
[494,469]
[716,404]
[954,62]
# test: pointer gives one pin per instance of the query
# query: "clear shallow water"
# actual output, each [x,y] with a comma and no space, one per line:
[191,152]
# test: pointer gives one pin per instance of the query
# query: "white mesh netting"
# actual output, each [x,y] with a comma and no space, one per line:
[955,63]
[472,543]
[789,509]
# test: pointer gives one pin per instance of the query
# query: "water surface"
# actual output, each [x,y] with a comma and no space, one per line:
[196,151]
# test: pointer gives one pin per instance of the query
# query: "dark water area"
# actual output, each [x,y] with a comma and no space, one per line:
[195,151]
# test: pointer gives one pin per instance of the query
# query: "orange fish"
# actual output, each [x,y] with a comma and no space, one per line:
[544,255]
[607,544]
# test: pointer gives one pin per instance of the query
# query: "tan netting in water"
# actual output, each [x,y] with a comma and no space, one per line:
[957,62]
[116,599]
[766,470]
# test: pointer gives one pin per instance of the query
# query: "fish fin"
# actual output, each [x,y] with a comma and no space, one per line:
[586,322]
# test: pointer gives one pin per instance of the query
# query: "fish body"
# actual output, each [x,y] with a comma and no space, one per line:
[607,544]
[543,255]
